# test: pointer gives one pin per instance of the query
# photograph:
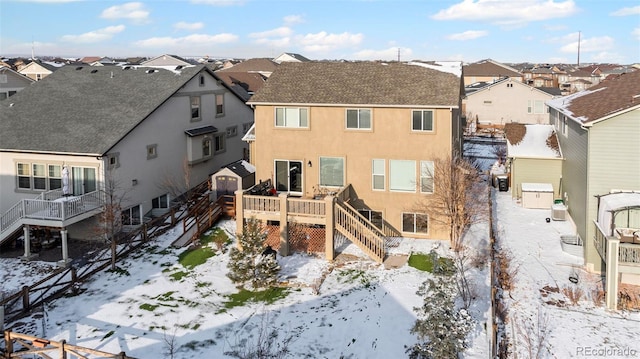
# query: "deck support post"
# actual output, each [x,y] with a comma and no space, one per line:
[611,271]
[329,229]
[239,213]
[27,242]
[284,225]
[65,248]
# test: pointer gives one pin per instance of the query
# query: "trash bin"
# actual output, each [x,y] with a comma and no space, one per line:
[503,183]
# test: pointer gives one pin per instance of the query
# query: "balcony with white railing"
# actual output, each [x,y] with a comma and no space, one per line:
[628,247]
[49,209]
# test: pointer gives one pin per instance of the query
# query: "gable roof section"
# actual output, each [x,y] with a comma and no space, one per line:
[84,110]
[252,65]
[4,70]
[360,83]
[508,80]
[601,101]
[490,68]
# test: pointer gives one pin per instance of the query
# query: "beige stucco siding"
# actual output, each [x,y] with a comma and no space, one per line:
[508,101]
[390,138]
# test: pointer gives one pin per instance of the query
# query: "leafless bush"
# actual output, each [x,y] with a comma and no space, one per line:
[573,293]
[533,334]
[266,344]
[597,296]
[507,271]
[480,258]
[170,344]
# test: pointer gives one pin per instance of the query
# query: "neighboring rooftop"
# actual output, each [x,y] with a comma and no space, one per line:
[490,68]
[607,98]
[84,109]
[538,141]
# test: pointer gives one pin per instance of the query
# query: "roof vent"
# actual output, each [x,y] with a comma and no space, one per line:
[79,68]
[151,71]
[126,68]
[179,67]
[94,71]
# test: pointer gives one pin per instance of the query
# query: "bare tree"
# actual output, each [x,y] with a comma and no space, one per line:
[110,219]
[178,186]
[454,202]
[462,261]
[534,334]
[170,345]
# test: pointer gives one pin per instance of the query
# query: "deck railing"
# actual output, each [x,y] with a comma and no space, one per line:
[628,254]
[600,241]
[306,207]
[363,234]
[261,203]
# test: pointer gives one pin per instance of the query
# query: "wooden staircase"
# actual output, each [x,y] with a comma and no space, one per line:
[360,231]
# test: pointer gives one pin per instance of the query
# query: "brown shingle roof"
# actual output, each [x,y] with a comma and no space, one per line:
[608,97]
[489,68]
[361,83]
[253,65]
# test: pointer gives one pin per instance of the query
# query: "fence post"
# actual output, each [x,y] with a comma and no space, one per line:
[1,317]
[8,343]
[173,217]
[25,299]
[63,352]
[145,236]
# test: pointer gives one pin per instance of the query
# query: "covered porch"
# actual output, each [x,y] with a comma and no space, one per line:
[617,240]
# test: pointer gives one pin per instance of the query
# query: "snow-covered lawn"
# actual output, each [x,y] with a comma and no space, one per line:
[361,309]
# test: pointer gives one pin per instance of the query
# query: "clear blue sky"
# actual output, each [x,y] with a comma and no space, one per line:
[466,30]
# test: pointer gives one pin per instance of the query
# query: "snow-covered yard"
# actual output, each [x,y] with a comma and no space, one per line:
[360,310]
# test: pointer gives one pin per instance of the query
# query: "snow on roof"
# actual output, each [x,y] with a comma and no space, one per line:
[534,143]
[562,104]
[451,67]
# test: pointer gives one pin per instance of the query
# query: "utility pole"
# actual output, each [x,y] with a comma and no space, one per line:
[579,33]
[398,54]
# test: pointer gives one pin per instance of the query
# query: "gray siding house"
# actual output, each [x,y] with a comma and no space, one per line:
[11,82]
[599,131]
[153,133]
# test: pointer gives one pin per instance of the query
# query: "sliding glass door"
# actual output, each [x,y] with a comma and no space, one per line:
[288,176]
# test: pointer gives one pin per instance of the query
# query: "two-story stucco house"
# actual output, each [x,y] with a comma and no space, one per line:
[599,133]
[372,128]
[151,132]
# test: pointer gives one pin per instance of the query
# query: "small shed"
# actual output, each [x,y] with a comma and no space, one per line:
[537,195]
[533,156]
[234,176]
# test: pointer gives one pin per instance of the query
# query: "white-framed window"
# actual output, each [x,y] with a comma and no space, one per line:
[535,107]
[359,118]
[375,217]
[201,81]
[24,176]
[219,143]
[195,108]
[55,177]
[232,131]
[422,120]
[415,223]
[152,151]
[402,175]
[292,117]
[377,174]
[131,216]
[219,105]
[39,177]
[206,146]
[332,171]
[426,176]
[161,201]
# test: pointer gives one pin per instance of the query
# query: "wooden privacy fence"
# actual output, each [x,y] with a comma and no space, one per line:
[59,282]
[44,348]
